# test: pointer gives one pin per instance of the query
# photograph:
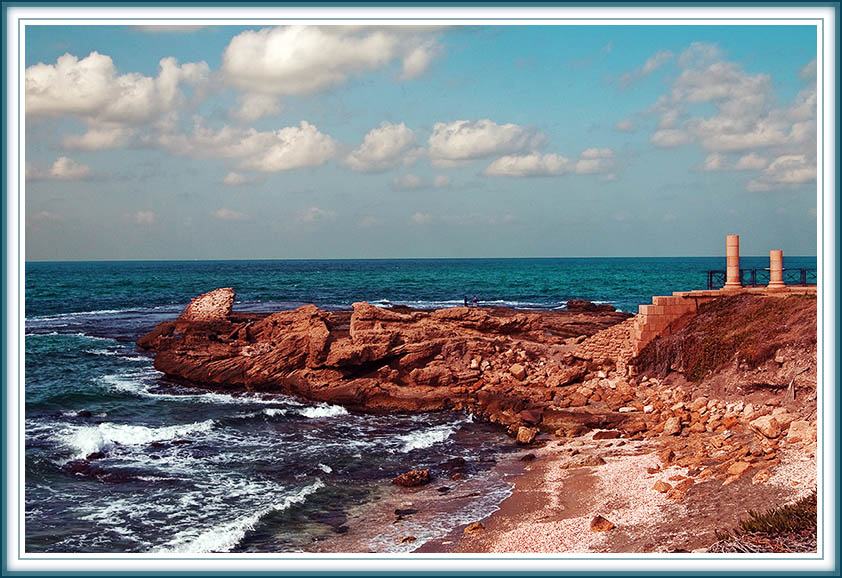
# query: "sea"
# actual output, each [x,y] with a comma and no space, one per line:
[120,460]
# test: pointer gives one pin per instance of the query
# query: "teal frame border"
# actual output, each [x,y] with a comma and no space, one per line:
[6,315]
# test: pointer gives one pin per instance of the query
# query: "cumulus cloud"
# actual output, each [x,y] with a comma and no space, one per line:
[253,106]
[233,179]
[407,182]
[314,215]
[590,161]
[786,170]
[367,222]
[751,162]
[229,215]
[286,149]
[290,60]
[462,220]
[728,111]
[652,64]
[63,169]
[531,165]
[110,104]
[99,138]
[441,181]
[382,148]
[627,125]
[464,140]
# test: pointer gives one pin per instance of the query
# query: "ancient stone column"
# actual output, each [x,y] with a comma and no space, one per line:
[732,260]
[776,269]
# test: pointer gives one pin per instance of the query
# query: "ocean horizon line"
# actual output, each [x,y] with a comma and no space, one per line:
[335,259]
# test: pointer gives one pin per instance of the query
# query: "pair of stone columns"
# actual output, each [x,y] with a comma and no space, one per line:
[732,261]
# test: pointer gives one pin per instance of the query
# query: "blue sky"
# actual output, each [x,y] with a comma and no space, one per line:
[504,141]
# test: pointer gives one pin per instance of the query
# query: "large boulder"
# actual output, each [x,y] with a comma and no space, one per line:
[215,305]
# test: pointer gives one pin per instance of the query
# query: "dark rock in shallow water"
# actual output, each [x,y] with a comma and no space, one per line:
[405,512]
[453,463]
[84,413]
[413,478]
[341,529]
[180,442]
[443,489]
[528,458]
[95,456]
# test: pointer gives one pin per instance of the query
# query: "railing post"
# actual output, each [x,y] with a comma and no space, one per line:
[732,260]
[776,269]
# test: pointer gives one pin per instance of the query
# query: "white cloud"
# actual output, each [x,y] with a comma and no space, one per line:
[591,161]
[786,170]
[144,217]
[652,64]
[233,179]
[407,182]
[465,140]
[531,165]
[670,137]
[229,215]
[699,53]
[717,104]
[112,106]
[714,162]
[99,138]
[314,215]
[269,151]
[382,148]
[808,73]
[441,181]
[627,125]
[253,106]
[421,218]
[291,60]
[63,169]
[751,162]
[92,90]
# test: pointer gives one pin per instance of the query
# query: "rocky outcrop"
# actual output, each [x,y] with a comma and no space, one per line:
[496,363]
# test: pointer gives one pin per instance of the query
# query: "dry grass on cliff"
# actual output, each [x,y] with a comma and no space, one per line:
[790,528]
[750,327]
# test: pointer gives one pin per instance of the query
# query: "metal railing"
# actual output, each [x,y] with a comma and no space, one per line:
[760,277]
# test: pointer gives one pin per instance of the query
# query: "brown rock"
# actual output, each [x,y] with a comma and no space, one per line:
[738,468]
[212,306]
[526,435]
[532,416]
[801,431]
[606,435]
[413,478]
[761,477]
[474,528]
[600,524]
[518,371]
[767,426]
[662,487]
[676,494]
[406,540]
[672,427]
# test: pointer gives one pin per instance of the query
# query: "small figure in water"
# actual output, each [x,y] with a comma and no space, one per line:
[476,301]
[466,300]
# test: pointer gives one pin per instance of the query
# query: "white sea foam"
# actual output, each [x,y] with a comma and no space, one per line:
[69,334]
[273,411]
[325,469]
[226,536]
[103,437]
[423,439]
[323,410]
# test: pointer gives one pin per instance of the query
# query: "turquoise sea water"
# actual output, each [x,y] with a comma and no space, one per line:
[178,469]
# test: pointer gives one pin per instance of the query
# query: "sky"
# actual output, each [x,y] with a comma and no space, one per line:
[303,142]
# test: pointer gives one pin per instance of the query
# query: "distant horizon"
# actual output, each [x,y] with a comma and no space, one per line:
[409,259]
